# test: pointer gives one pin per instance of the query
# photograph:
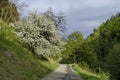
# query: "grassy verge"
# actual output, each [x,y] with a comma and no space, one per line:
[48,65]
[89,75]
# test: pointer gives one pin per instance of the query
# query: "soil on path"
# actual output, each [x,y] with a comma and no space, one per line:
[63,72]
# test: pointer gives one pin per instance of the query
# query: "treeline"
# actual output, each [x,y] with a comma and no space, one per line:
[101,49]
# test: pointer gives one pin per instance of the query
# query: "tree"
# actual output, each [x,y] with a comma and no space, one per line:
[78,50]
[104,43]
[83,53]
[101,46]
[59,19]
[76,37]
[113,61]
[38,31]
[4,1]
[108,36]
[8,11]
[73,40]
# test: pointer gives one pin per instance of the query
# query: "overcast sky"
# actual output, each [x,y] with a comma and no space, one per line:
[82,15]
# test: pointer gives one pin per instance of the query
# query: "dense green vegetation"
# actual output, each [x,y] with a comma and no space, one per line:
[106,42]
[8,11]
[87,74]
[99,50]
[112,63]
[27,44]
[77,50]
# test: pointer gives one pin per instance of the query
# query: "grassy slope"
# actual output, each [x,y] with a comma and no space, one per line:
[86,74]
[16,62]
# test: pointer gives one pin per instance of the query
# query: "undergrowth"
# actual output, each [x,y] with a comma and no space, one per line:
[87,74]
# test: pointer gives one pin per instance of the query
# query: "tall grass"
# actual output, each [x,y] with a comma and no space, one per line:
[87,74]
[103,75]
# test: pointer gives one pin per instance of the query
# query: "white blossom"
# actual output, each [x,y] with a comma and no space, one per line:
[39,31]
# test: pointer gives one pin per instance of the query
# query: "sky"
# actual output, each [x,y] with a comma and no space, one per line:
[81,15]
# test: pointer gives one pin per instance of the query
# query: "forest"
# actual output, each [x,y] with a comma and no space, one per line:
[34,42]
[99,50]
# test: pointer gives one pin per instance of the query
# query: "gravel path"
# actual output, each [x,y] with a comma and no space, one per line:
[63,72]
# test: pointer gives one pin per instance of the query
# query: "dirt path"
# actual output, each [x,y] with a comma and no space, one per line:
[63,72]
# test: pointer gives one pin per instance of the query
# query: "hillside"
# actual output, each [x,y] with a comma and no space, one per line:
[16,62]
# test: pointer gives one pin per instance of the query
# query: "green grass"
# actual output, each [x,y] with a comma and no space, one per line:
[48,65]
[18,63]
[89,75]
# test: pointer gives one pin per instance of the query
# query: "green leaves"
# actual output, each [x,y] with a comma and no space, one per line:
[105,43]
[6,31]
[113,61]
[76,37]
[78,50]
[8,11]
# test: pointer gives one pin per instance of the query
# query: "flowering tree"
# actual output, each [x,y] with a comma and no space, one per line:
[38,30]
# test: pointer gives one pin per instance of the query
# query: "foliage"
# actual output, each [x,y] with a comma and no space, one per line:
[78,50]
[104,76]
[74,39]
[102,41]
[6,32]
[38,31]
[113,61]
[87,74]
[109,35]
[84,53]
[8,11]
[99,49]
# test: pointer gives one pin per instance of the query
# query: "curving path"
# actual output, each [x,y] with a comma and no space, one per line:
[63,72]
